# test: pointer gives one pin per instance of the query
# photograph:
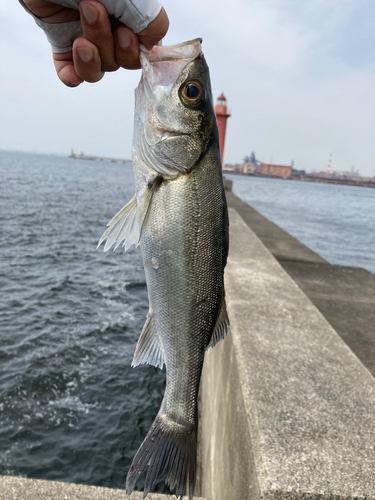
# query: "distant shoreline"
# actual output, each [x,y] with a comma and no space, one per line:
[308,178]
[82,156]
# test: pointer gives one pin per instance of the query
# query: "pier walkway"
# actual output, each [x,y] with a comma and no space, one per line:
[14,488]
[287,407]
[344,295]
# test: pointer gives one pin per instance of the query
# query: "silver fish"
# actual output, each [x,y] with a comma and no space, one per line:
[179,217]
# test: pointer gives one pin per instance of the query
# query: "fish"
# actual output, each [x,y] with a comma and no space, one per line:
[179,218]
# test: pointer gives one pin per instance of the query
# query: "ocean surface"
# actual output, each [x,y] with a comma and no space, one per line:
[336,221]
[71,407]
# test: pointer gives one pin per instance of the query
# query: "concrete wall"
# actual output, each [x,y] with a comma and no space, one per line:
[288,411]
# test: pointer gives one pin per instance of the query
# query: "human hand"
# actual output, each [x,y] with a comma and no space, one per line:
[99,50]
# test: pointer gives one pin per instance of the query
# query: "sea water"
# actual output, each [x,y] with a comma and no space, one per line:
[336,221]
[71,407]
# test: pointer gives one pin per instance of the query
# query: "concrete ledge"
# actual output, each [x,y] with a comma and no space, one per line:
[228,184]
[14,488]
[344,295]
[346,298]
[288,411]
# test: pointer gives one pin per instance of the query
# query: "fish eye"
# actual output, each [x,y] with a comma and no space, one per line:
[191,93]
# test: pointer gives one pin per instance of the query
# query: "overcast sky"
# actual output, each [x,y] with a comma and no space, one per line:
[299,77]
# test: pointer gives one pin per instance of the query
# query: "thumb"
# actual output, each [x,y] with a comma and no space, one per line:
[65,69]
[155,31]
[49,12]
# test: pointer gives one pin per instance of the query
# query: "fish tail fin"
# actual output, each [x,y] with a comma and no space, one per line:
[170,446]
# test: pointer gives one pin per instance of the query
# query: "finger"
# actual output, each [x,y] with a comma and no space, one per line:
[65,69]
[127,48]
[97,29]
[155,31]
[87,61]
[50,12]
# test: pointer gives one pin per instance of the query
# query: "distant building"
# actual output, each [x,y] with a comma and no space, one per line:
[349,176]
[352,175]
[284,171]
[298,174]
[321,175]
[228,167]
[245,169]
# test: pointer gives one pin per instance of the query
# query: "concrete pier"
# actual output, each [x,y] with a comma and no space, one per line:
[14,488]
[288,410]
[344,295]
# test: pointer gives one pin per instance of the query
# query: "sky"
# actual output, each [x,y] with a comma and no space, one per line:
[299,78]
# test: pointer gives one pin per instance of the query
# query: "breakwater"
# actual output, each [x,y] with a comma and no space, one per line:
[82,156]
[344,295]
[288,410]
[360,182]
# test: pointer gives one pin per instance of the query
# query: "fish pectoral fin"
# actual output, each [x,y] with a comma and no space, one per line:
[123,226]
[145,204]
[149,349]
[221,326]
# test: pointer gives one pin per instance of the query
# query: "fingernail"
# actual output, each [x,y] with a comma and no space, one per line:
[89,13]
[86,54]
[124,38]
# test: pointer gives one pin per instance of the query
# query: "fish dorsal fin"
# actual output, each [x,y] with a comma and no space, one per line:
[149,349]
[123,227]
[221,326]
[145,204]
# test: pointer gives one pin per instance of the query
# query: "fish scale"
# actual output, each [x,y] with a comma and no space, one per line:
[179,217]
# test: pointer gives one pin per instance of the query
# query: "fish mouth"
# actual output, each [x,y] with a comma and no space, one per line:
[185,50]
[163,65]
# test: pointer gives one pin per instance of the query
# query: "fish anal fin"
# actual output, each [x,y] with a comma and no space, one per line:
[221,326]
[149,349]
[123,227]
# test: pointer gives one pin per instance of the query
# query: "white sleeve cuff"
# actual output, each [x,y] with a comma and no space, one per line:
[136,14]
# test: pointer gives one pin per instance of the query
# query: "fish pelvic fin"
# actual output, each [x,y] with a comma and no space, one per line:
[149,349]
[123,227]
[168,446]
[222,326]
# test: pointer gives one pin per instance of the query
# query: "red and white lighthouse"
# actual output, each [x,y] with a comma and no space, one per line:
[221,116]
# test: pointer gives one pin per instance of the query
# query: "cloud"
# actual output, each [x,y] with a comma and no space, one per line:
[261,31]
[292,93]
[299,78]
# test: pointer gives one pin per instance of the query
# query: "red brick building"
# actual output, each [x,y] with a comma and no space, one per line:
[284,171]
